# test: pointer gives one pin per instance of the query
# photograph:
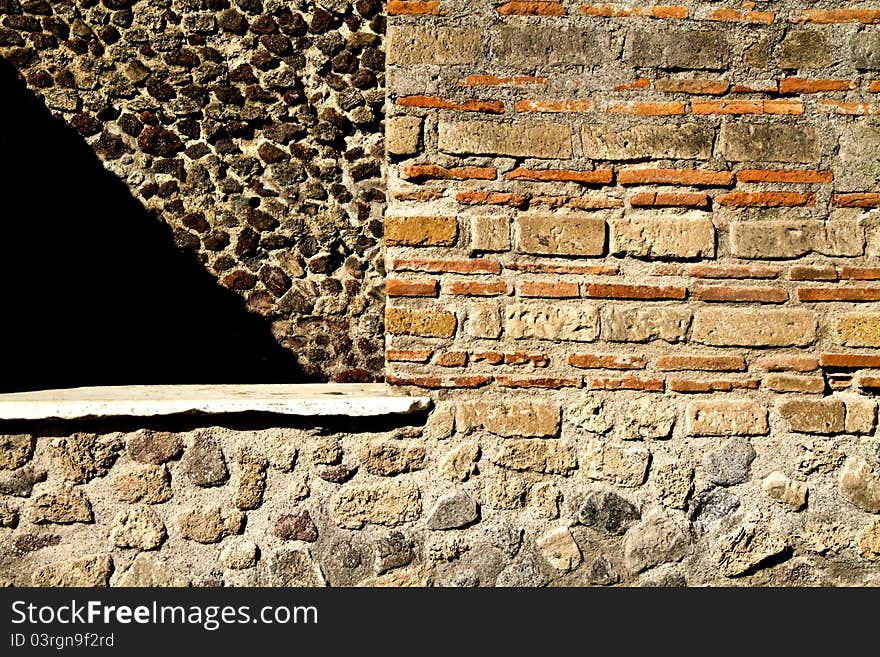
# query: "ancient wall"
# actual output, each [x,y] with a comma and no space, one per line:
[252,129]
[635,247]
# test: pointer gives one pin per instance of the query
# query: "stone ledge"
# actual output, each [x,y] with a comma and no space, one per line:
[305,399]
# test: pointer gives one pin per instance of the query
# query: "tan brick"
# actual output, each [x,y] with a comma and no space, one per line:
[859,329]
[726,418]
[484,321]
[420,231]
[541,140]
[407,45]
[822,416]
[552,321]
[732,327]
[680,142]
[514,417]
[861,415]
[560,234]
[645,324]
[792,239]
[768,142]
[546,456]
[490,233]
[794,383]
[427,323]
[660,234]
[402,134]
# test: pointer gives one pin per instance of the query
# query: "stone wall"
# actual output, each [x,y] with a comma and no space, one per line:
[252,129]
[635,247]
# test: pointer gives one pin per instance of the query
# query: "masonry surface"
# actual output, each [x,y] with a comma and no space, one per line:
[631,251]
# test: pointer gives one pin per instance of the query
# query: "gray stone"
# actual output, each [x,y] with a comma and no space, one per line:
[21,482]
[505,537]
[713,505]
[665,576]
[859,156]
[63,505]
[674,142]
[293,567]
[768,142]
[138,527]
[602,572]
[85,571]
[745,549]
[730,463]
[607,511]
[865,49]
[296,526]
[204,463]
[804,48]
[453,511]
[642,324]
[31,542]
[393,551]
[661,537]
[860,485]
[154,447]
[522,573]
[533,45]
[15,450]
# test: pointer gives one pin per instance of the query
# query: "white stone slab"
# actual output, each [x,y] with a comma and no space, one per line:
[293,399]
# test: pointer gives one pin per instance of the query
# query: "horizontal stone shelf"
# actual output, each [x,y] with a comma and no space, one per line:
[307,399]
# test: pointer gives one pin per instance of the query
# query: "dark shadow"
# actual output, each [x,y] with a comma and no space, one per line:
[94,292]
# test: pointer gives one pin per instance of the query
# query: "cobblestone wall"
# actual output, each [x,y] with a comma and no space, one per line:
[253,129]
[635,247]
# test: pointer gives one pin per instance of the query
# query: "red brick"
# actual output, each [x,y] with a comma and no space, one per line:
[839,381]
[553,268]
[552,106]
[869,382]
[452,359]
[812,86]
[524,358]
[767,199]
[625,383]
[674,108]
[549,289]
[490,357]
[421,172]
[784,176]
[741,294]
[408,355]
[849,361]
[860,273]
[858,200]
[838,294]
[695,87]
[418,381]
[874,87]
[787,363]
[691,177]
[756,87]
[607,361]
[410,7]
[735,15]
[594,177]
[396,287]
[619,11]
[733,271]
[823,16]
[452,266]
[747,107]
[470,105]
[587,202]
[477,288]
[642,292]
[498,81]
[492,198]
[669,200]
[531,9]
[701,363]
[812,273]
[469,381]
[712,385]
[638,83]
[538,381]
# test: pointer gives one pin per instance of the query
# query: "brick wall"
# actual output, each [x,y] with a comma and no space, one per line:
[649,234]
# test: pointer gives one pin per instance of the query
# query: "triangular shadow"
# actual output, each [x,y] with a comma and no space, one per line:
[94,291]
